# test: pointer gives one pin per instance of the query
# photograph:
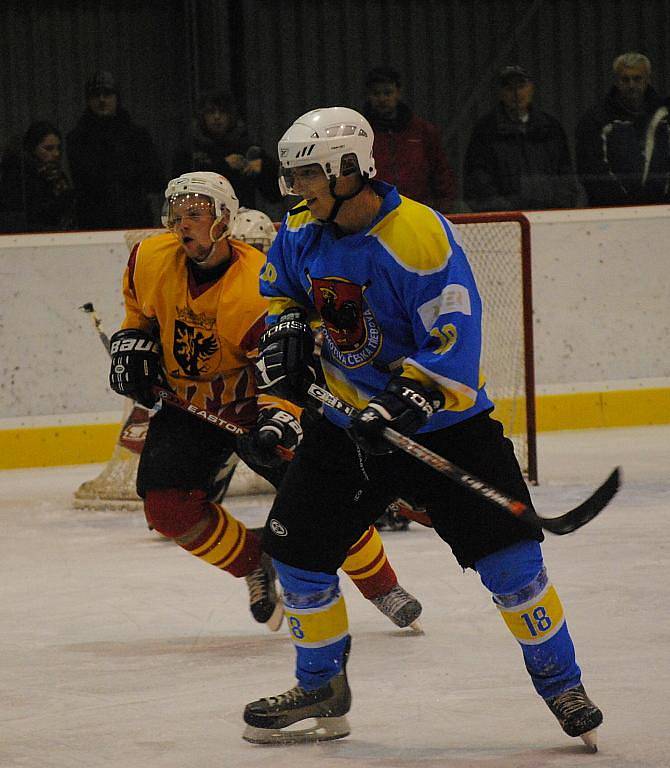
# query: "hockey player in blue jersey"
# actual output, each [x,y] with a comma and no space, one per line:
[389,283]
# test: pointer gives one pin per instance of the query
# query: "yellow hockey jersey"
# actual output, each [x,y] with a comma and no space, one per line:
[209,332]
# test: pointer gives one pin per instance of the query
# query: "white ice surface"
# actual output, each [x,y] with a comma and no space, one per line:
[119,649]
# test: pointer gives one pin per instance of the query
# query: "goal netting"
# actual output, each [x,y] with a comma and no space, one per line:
[498,246]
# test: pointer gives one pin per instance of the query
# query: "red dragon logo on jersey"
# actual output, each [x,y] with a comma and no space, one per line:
[351,333]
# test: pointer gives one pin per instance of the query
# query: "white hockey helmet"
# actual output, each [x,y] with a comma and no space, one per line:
[254,227]
[326,136]
[203,184]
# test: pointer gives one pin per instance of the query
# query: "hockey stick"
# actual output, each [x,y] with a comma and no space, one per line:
[90,310]
[566,523]
[173,399]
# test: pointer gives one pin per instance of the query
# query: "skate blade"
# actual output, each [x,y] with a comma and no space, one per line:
[415,628]
[324,729]
[275,621]
[590,738]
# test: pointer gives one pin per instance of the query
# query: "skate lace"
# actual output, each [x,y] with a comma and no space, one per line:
[289,697]
[570,702]
[393,601]
[257,582]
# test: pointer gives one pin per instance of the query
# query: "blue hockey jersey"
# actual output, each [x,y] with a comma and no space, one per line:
[397,298]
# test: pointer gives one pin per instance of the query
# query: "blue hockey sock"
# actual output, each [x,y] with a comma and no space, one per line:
[317,620]
[532,610]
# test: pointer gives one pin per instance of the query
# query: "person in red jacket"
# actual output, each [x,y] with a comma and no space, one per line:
[408,149]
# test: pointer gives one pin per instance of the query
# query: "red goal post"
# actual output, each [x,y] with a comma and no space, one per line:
[498,248]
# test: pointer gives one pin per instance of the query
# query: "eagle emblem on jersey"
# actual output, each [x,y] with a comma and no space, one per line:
[351,334]
[194,349]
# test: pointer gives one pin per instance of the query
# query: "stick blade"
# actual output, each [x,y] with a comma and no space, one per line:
[587,510]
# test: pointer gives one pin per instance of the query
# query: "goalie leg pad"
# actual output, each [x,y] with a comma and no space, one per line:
[532,611]
[317,619]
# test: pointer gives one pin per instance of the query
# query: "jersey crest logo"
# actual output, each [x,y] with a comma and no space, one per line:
[195,350]
[352,335]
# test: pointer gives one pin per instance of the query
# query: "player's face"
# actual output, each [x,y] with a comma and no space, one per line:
[191,217]
[311,183]
[632,82]
[384,98]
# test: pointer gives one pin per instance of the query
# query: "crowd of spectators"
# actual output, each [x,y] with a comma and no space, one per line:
[107,173]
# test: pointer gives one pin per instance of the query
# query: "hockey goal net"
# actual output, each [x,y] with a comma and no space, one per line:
[498,246]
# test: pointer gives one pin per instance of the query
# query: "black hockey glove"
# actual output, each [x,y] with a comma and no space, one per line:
[136,365]
[404,406]
[285,364]
[276,435]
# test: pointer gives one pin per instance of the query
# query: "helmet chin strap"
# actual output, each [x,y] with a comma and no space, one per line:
[339,199]
[215,240]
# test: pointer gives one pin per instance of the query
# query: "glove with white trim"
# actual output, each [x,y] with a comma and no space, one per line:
[404,406]
[136,365]
[273,440]
[285,364]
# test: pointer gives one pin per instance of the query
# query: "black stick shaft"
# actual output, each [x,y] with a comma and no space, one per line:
[565,523]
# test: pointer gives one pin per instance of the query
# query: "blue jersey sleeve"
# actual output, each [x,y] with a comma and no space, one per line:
[446,316]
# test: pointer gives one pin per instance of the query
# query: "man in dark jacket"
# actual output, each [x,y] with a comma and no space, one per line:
[623,143]
[518,156]
[219,142]
[113,161]
[408,149]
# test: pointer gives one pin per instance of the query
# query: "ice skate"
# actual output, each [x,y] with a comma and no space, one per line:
[577,715]
[392,520]
[269,720]
[265,603]
[402,608]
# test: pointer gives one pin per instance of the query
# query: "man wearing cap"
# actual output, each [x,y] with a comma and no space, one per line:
[113,161]
[518,156]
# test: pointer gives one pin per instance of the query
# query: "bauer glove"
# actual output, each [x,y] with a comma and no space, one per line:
[276,435]
[404,406]
[285,364]
[136,365]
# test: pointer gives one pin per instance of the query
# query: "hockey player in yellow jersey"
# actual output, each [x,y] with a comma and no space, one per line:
[194,315]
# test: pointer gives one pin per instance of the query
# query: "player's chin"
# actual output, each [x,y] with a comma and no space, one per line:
[316,208]
[192,248]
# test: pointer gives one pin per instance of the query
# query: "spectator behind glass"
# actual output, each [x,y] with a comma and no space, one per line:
[114,162]
[518,156]
[37,195]
[219,141]
[623,143]
[408,149]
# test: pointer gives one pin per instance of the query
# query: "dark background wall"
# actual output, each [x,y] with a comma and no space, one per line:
[283,57]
